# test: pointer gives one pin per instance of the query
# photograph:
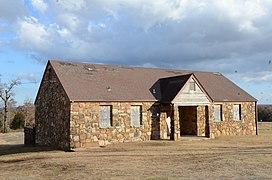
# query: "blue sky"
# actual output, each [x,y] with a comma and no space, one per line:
[228,36]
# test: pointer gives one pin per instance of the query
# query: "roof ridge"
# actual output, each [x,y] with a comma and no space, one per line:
[130,66]
[170,77]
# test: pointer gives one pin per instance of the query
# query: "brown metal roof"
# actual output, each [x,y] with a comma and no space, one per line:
[221,89]
[95,82]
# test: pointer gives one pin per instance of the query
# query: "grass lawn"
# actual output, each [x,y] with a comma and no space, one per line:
[235,157]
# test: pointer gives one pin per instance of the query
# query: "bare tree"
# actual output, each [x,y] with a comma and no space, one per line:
[5,94]
[28,110]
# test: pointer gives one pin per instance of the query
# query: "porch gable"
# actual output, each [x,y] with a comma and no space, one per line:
[191,94]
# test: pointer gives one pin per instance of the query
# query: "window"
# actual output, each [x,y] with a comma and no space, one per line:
[218,112]
[136,115]
[105,116]
[192,86]
[237,112]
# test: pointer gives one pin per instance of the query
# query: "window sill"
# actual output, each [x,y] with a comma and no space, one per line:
[136,126]
[106,127]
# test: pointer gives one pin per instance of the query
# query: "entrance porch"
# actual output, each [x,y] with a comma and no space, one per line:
[181,121]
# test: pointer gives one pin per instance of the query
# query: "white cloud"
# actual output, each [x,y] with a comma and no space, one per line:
[244,13]
[39,5]
[29,76]
[251,9]
[69,21]
[72,5]
[32,35]
[214,35]
[64,33]
[248,26]
[262,76]
[95,26]
[162,10]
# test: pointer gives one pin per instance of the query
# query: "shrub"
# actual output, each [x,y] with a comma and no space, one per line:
[18,121]
[265,113]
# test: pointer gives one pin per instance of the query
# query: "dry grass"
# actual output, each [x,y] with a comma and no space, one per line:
[243,157]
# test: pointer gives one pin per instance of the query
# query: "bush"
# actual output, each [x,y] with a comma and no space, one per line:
[18,121]
[265,113]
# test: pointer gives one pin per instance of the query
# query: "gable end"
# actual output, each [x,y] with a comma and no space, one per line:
[192,94]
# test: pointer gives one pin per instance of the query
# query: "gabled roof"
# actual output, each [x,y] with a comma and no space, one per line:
[166,89]
[95,82]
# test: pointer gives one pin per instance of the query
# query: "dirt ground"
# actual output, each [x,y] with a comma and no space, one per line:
[236,157]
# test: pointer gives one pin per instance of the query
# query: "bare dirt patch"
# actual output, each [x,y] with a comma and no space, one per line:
[242,157]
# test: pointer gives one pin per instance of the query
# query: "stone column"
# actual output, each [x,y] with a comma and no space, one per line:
[210,119]
[175,125]
[155,128]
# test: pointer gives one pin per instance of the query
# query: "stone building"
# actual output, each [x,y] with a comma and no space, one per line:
[82,105]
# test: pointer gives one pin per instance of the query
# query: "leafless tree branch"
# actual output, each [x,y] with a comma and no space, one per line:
[5,94]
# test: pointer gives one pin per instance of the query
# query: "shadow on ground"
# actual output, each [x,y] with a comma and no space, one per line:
[17,149]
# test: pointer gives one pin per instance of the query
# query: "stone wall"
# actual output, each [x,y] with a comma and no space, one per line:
[52,113]
[245,126]
[86,132]
[164,132]
[175,125]
[202,121]
[165,113]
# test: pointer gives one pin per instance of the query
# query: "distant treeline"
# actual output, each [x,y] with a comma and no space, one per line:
[18,117]
[265,113]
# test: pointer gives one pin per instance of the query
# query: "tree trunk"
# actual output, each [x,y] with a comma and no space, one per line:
[5,130]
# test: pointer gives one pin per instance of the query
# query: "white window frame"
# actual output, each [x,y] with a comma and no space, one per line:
[136,112]
[237,112]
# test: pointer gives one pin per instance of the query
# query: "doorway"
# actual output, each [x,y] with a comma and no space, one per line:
[188,120]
